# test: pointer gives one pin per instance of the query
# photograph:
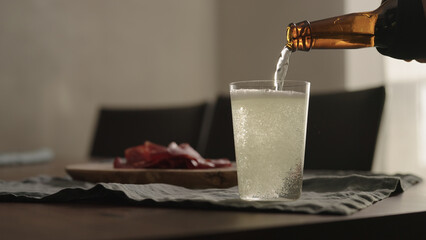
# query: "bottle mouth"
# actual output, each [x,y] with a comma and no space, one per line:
[299,36]
[291,28]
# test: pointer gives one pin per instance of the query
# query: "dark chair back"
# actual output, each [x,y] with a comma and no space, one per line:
[118,129]
[343,128]
[220,136]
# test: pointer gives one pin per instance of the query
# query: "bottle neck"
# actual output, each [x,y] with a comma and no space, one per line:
[343,32]
[356,30]
[299,36]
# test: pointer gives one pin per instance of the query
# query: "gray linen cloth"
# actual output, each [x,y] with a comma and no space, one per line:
[340,193]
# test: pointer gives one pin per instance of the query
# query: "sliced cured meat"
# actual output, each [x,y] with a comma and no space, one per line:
[174,156]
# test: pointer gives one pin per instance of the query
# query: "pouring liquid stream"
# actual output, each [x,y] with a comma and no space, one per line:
[282,67]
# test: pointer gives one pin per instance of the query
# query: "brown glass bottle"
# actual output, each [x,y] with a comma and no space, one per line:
[383,28]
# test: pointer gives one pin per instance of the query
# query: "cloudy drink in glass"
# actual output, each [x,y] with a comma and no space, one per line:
[269,134]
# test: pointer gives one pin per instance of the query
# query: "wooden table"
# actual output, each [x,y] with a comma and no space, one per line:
[398,217]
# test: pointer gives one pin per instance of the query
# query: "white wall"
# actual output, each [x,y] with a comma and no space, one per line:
[61,60]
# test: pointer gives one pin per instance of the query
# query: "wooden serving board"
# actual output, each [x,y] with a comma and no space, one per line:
[194,178]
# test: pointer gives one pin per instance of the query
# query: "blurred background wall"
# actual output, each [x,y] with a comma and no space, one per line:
[62,60]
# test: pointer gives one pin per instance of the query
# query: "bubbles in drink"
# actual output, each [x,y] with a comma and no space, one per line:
[270,155]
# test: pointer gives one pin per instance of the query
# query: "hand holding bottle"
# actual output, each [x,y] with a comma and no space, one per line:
[424,12]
